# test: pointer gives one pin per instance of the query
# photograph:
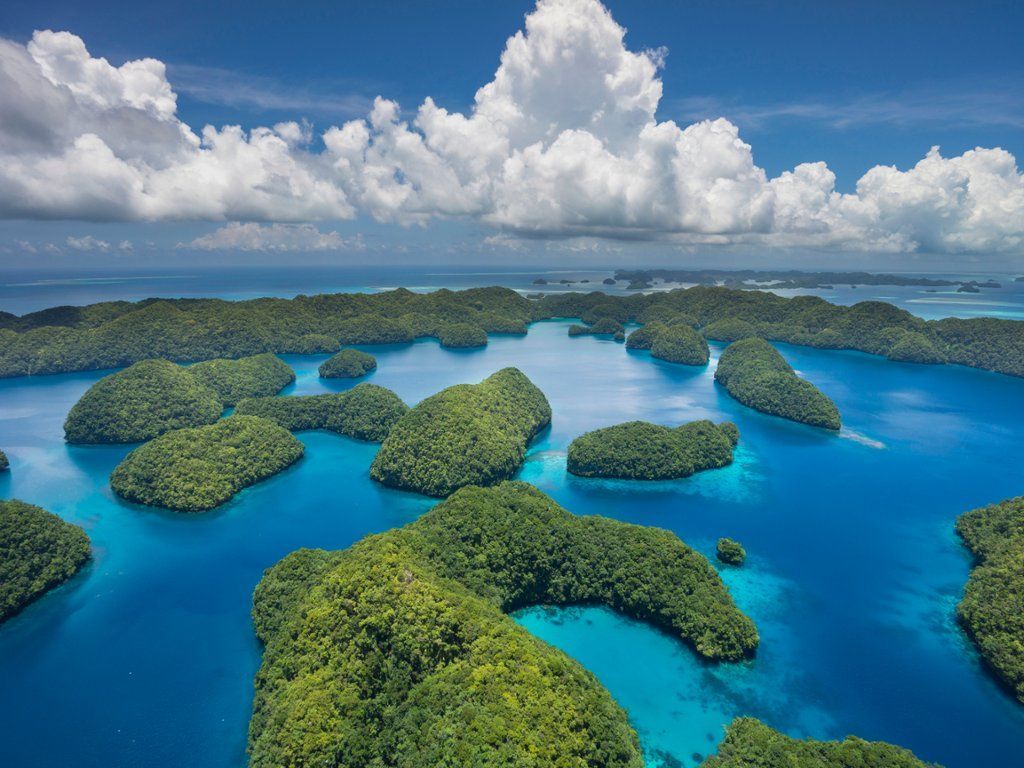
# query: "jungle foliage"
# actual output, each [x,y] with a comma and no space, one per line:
[398,652]
[754,373]
[198,468]
[348,364]
[639,450]
[38,551]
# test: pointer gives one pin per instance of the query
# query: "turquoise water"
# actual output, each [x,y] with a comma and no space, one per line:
[147,658]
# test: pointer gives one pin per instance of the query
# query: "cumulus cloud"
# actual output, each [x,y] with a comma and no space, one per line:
[87,243]
[563,142]
[251,236]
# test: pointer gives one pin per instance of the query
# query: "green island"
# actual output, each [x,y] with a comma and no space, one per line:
[348,364]
[462,336]
[311,344]
[4,463]
[681,344]
[754,373]
[750,743]
[602,326]
[365,412]
[639,450]
[38,551]
[398,650]
[256,376]
[198,468]
[992,608]
[142,401]
[114,334]
[731,552]
[468,434]
[728,329]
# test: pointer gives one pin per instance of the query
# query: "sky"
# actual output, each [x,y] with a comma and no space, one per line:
[709,132]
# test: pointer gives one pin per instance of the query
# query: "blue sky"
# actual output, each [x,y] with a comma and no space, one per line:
[855,85]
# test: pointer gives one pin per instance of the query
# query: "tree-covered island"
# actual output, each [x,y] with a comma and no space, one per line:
[4,463]
[468,434]
[754,373]
[992,608]
[680,344]
[38,552]
[639,450]
[365,412]
[730,551]
[256,376]
[398,651]
[198,468]
[348,364]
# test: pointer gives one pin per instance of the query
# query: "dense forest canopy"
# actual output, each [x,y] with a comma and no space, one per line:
[992,609]
[4,463]
[365,412]
[198,468]
[38,551]
[468,434]
[348,364]
[639,450]
[754,373]
[398,652]
[113,334]
[256,376]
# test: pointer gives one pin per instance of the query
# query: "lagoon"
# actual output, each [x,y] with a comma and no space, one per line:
[853,569]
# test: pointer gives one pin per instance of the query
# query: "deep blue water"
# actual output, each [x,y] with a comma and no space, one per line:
[146,659]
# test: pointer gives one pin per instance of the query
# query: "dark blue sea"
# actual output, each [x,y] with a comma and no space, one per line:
[854,570]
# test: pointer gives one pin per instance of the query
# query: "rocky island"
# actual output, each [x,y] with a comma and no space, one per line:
[348,364]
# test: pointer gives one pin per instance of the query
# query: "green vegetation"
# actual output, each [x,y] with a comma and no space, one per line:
[643,338]
[469,434]
[256,376]
[397,651]
[638,450]
[681,344]
[603,326]
[4,463]
[755,373]
[366,412]
[992,609]
[728,329]
[311,344]
[142,401]
[199,468]
[348,364]
[750,743]
[114,334]
[462,335]
[38,551]
[731,552]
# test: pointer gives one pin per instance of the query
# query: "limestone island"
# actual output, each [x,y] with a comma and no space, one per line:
[399,650]
[348,364]
[992,608]
[680,344]
[639,450]
[4,463]
[38,552]
[750,743]
[754,373]
[198,468]
[468,434]
[152,397]
[605,326]
[730,552]
[365,412]
[729,329]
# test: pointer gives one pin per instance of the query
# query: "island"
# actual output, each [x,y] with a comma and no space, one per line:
[399,650]
[255,376]
[991,610]
[311,344]
[681,344]
[754,372]
[775,279]
[462,336]
[639,450]
[468,434]
[611,281]
[643,337]
[730,552]
[38,552]
[348,364]
[113,334]
[365,412]
[4,463]
[605,326]
[749,743]
[144,400]
[728,329]
[198,468]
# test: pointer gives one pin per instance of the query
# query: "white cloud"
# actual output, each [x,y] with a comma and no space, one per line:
[87,243]
[251,236]
[562,143]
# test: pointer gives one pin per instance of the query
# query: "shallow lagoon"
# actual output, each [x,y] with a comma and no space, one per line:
[853,572]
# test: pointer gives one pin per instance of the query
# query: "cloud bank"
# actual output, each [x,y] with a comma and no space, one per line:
[563,142]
